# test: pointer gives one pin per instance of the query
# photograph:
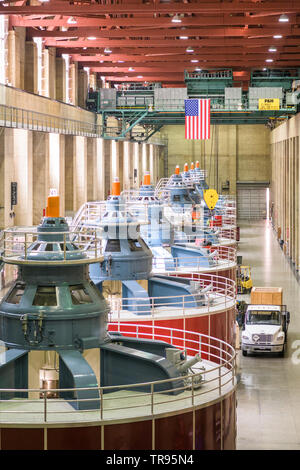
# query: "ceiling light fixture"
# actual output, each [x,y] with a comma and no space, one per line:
[131,69]
[92,38]
[183,37]
[283,18]
[269,60]
[189,49]
[176,19]
[107,50]
[194,60]
[140,76]
[272,49]
[71,20]
[277,36]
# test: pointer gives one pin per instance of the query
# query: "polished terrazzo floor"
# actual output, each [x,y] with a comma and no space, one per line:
[268,395]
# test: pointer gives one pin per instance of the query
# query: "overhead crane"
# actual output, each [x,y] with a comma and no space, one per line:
[272,95]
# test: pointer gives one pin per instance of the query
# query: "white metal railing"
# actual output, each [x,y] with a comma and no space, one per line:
[222,234]
[211,293]
[33,120]
[16,245]
[142,399]
[215,257]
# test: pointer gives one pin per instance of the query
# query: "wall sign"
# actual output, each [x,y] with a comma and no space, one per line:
[268,104]
[13,194]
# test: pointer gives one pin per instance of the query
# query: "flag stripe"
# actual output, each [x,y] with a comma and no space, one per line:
[197,119]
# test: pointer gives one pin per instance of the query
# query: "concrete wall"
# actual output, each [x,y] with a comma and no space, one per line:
[285,189]
[80,169]
[233,153]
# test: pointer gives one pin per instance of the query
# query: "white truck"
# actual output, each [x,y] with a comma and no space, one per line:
[265,329]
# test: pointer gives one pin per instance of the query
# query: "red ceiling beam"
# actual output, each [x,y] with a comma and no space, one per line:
[130,43]
[183,56]
[126,33]
[82,22]
[236,65]
[64,8]
[171,47]
[157,66]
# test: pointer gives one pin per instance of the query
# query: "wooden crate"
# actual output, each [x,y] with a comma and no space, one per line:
[279,233]
[267,295]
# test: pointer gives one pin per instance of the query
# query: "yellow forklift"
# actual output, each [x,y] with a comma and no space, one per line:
[243,278]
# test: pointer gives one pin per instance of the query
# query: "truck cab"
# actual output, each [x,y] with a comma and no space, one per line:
[265,329]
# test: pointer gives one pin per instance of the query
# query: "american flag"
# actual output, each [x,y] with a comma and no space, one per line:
[197,119]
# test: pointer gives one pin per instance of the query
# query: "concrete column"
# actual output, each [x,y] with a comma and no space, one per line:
[46,73]
[151,163]
[145,165]
[127,166]
[13,60]
[73,83]
[297,204]
[2,179]
[69,175]
[16,166]
[56,176]
[40,159]
[121,163]
[31,72]
[91,169]
[114,160]
[82,87]
[80,171]
[60,74]
[107,167]
[136,165]
[52,72]
[93,81]
[99,171]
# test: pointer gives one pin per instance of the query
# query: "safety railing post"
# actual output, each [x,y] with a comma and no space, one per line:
[220,384]
[45,406]
[65,250]
[25,245]
[96,244]
[193,392]
[4,244]
[101,403]
[233,368]
[152,399]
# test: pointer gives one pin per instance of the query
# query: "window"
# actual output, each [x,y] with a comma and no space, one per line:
[176,197]
[49,247]
[16,294]
[112,246]
[62,247]
[79,295]
[135,245]
[45,296]
[35,247]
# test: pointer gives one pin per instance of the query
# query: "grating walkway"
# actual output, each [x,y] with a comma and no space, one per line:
[269,392]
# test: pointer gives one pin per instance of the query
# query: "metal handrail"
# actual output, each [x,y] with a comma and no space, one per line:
[219,359]
[11,116]
[221,293]
[15,242]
